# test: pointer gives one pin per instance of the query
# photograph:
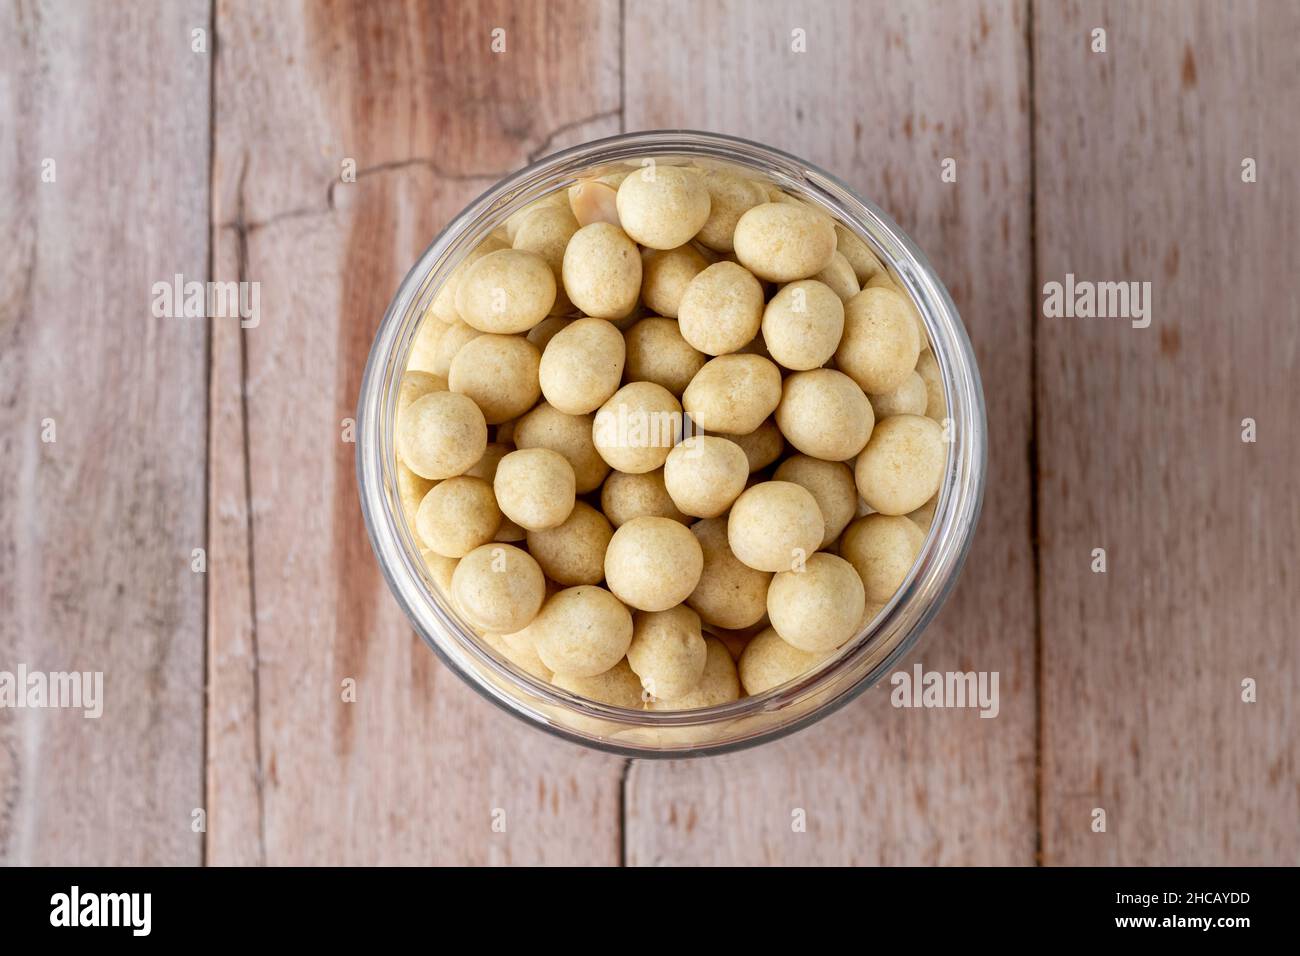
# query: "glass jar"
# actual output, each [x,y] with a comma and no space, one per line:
[860,663]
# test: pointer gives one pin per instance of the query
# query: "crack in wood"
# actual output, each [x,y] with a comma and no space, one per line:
[1032,449]
[420,162]
[543,147]
[259,777]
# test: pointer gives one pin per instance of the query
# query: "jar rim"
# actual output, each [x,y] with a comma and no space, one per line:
[853,668]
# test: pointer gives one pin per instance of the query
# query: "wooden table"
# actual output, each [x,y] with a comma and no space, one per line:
[219,153]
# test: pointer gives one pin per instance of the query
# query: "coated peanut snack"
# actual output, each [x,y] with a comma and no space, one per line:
[667,651]
[669,436]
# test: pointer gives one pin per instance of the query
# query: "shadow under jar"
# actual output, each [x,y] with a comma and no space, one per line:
[858,664]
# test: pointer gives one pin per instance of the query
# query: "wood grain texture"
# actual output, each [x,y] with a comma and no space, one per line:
[413,771]
[97,526]
[884,93]
[1140,157]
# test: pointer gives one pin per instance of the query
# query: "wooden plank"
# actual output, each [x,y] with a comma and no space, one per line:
[97,526]
[1140,153]
[882,95]
[414,770]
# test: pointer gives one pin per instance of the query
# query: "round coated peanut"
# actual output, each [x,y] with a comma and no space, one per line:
[653,564]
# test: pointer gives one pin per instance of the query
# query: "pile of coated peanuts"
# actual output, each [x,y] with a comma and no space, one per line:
[670,437]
